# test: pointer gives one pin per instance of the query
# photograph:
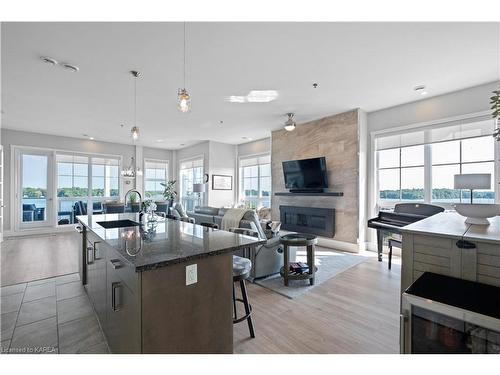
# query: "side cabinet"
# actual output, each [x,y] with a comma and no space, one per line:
[96,276]
[456,257]
[427,253]
[123,329]
[481,262]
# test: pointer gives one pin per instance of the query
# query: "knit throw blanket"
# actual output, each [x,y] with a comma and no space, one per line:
[232,218]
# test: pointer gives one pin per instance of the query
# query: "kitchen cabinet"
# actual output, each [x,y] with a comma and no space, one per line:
[123,301]
[96,275]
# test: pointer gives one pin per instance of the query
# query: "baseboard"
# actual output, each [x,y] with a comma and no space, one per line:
[38,231]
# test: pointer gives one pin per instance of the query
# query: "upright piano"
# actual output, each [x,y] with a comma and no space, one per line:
[391,222]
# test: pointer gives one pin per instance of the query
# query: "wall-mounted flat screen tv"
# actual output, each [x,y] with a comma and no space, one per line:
[305,174]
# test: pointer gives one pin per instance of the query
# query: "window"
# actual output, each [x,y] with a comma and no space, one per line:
[84,179]
[420,165]
[155,173]
[472,155]
[190,172]
[401,174]
[255,181]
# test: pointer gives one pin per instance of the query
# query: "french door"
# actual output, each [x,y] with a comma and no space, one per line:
[35,190]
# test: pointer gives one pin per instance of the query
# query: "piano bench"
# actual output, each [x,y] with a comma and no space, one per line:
[392,242]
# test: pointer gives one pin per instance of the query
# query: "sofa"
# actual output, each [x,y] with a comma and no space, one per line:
[267,259]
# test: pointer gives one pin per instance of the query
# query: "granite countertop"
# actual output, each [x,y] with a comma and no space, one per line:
[165,243]
[452,224]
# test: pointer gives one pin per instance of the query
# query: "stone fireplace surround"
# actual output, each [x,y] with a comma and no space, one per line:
[336,138]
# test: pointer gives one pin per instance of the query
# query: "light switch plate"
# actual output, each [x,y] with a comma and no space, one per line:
[191,274]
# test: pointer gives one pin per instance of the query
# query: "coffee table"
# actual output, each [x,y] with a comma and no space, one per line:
[298,239]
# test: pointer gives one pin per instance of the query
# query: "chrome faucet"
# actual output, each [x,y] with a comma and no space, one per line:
[141,213]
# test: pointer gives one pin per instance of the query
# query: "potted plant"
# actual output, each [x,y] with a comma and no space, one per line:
[169,193]
[495,107]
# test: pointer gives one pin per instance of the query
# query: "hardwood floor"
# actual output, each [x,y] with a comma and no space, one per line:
[354,312]
[29,258]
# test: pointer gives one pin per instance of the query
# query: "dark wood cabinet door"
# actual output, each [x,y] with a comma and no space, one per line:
[123,318]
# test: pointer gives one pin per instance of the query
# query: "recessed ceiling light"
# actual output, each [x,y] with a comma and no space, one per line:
[255,96]
[262,96]
[70,67]
[91,138]
[49,60]
[247,138]
[159,140]
[236,99]
[420,89]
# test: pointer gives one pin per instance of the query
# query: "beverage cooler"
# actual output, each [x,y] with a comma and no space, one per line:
[442,314]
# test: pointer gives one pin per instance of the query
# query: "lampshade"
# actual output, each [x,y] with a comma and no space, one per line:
[199,188]
[473,181]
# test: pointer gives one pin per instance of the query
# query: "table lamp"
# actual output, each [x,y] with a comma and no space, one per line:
[473,181]
[199,188]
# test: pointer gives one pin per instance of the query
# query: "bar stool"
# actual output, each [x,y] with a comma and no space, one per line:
[210,225]
[241,272]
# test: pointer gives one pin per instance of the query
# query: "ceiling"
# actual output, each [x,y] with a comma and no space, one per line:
[357,65]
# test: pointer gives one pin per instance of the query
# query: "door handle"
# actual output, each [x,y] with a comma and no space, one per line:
[114,287]
[463,244]
[89,252]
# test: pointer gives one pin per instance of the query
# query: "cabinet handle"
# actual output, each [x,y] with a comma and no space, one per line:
[402,331]
[114,287]
[116,263]
[463,244]
[96,250]
[89,252]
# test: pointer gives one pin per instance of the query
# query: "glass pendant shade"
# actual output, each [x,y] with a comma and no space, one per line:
[183,101]
[135,133]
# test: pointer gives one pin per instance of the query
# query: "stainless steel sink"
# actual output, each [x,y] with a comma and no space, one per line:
[118,224]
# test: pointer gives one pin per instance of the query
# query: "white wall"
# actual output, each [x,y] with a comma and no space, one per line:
[471,100]
[19,138]
[260,146]
[222,161]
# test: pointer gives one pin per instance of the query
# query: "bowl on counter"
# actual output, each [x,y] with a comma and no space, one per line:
[477,213]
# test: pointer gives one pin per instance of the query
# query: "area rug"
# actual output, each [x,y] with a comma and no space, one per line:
[329,263]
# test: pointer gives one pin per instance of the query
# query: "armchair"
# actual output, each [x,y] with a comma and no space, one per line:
[267,259]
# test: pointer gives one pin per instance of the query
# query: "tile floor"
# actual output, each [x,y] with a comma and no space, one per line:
[52,315]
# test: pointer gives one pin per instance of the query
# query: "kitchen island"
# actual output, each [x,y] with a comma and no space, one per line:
[446,245]
[161,287]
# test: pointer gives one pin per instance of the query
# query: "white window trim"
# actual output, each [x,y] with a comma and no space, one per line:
[150,160]
[239,177]
[191,158]
[374,194]
[15,170]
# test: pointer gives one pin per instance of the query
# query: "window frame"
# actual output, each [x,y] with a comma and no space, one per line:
[167,173]
[190,200]
[259,199]
[428,164]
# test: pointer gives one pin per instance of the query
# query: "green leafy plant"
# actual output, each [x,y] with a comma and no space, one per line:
[495,107]
[169,193]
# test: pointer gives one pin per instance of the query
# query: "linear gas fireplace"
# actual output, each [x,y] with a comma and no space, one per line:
[320,221]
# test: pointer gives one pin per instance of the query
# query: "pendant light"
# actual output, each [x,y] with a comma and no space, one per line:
[183,98]
[129,172]
[290,124]
[134,132]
